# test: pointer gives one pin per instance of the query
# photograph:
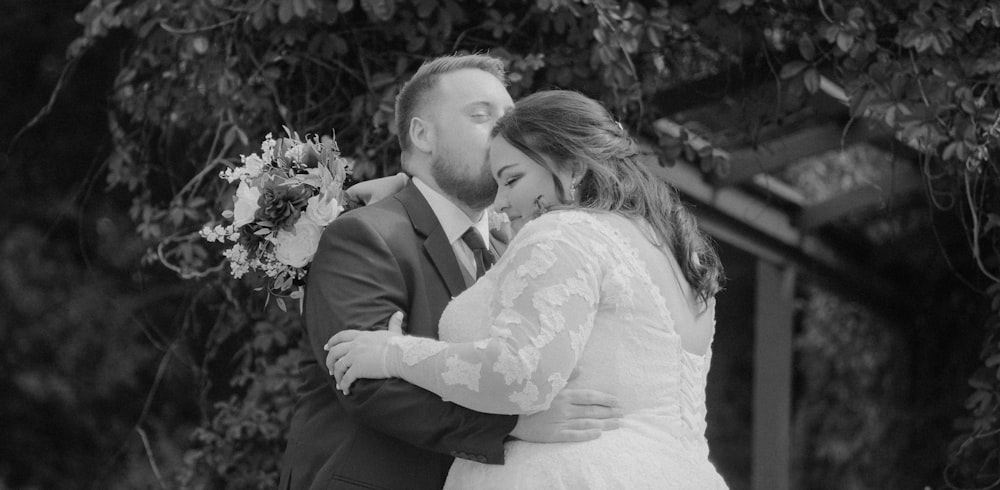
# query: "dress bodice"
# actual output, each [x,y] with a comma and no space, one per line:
[575,290]
[589,292]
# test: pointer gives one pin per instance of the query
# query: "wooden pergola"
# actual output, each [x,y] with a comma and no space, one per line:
[791,234]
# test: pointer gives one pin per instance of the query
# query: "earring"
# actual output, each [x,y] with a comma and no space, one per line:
[541,207]
[573,189]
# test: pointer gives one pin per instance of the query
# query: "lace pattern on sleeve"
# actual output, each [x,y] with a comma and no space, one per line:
[548,290]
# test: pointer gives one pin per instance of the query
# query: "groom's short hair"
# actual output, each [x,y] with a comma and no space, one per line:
[414,92]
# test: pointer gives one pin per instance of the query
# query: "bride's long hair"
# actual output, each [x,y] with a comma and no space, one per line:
[577,134]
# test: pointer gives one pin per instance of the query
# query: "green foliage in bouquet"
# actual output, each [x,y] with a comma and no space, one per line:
[286,197]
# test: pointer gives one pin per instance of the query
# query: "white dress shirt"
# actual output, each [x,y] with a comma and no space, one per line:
[455,223]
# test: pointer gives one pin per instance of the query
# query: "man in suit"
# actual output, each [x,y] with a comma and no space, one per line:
[407,253]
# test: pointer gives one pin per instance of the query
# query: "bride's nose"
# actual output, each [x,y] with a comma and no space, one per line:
[500,203]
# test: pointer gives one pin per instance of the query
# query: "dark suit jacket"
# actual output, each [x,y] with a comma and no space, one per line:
[371,262]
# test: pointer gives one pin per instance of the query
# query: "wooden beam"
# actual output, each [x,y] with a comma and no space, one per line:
[857,199]
[756,225]
[772,377]
[780,152]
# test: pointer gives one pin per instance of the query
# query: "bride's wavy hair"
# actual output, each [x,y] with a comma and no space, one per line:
[567,132]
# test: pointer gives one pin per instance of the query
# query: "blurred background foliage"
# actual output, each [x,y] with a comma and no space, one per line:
[130,359]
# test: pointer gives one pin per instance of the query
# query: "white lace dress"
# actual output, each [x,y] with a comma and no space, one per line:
[577,289]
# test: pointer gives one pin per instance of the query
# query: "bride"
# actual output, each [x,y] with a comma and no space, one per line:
[608,273]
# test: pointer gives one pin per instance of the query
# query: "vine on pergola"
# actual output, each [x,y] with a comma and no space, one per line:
[929,71]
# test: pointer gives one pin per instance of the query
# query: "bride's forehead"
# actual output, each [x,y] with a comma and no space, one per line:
[502,153]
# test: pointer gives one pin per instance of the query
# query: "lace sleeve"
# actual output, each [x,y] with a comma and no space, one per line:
[545,306]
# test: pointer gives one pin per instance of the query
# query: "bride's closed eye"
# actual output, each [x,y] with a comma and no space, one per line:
[510,180]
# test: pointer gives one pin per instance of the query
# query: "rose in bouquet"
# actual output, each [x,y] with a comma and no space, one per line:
[285,197]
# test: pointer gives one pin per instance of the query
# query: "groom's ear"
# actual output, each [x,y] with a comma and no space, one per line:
[422,134]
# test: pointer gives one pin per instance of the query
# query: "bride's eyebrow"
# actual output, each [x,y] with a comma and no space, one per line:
[503,169]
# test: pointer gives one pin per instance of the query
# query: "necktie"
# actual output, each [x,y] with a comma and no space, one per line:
[484,258]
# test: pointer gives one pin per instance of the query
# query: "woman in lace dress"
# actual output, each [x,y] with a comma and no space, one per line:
[607,272]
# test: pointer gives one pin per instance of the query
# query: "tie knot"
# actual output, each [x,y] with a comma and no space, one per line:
[473,240]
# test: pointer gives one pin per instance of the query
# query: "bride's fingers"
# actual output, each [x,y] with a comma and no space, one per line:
[339,369]
[581,396]
[593,424]
[580,435]
[340,337]
[330,362]
[346,380]
[335,353]
[396,323]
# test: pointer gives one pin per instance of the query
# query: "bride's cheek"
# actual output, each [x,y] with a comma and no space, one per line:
[515,226]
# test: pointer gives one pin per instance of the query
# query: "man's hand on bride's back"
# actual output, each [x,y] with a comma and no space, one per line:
[575,415]
[371,191]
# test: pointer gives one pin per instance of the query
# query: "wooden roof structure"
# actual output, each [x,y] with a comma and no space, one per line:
[815,195]
[842,200]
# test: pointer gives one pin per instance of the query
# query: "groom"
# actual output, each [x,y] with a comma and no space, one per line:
[407,253]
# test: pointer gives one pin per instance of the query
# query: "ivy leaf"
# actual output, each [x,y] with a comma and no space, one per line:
[993,360]
[793,68]
[844,41]
[379,9]
[300,8]
[806,47]
[992,221]
[811,79]
[285,11]
[978,401]
[425,7]
[731,6]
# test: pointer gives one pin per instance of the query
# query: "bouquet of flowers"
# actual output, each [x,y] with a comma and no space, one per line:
[285,197]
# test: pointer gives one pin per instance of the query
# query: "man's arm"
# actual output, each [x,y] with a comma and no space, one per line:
[355,282]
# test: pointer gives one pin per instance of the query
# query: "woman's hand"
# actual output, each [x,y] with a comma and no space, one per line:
[371,191]
[353,354]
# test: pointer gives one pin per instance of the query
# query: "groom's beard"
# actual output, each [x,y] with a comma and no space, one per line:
[476,191]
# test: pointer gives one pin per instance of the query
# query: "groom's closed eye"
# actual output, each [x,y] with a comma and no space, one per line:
[482,111]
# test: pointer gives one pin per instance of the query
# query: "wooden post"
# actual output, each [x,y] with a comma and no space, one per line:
[772,377]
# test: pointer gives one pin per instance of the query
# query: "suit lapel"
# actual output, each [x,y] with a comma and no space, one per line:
[436,243]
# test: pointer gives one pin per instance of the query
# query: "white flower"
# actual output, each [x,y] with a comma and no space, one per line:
[253,165]
[497,219]
[500,226]
[238,260]
[322,208]
[245,204]
[231,174]
[267,145]
[209,234]
[298,247]
[295,153]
